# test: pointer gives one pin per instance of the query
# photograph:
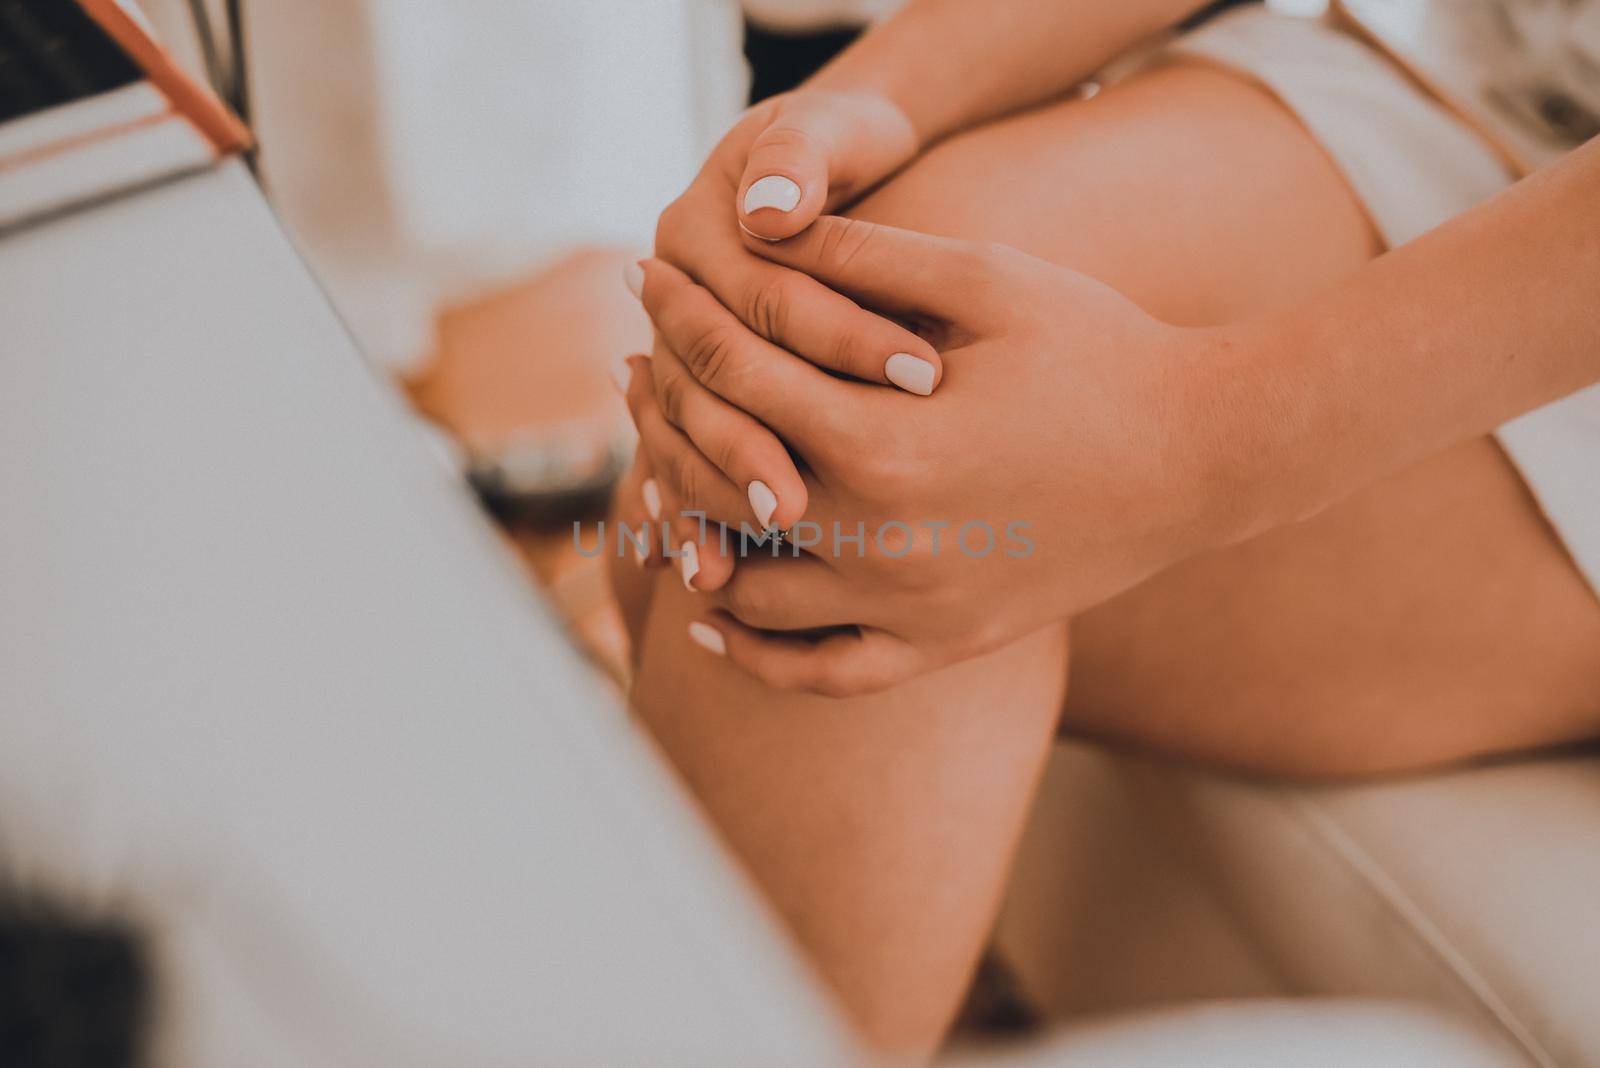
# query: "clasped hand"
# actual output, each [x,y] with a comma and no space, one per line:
[1054,460]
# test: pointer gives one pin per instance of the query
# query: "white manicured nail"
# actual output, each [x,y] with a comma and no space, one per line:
[763,502]
[633,275]
[652,497]
[691,564]
[773,191]
[622,374]
[910,373]
[708,638]
[639,556]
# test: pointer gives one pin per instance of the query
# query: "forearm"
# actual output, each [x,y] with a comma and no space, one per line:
[951,63]
[1477,322]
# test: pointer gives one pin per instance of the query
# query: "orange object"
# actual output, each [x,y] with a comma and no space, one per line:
[193,101]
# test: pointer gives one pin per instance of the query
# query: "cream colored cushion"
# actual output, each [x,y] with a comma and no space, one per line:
[1477,891]
[1269,1034]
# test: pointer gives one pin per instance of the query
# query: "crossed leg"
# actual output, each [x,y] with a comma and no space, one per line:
[1430,618]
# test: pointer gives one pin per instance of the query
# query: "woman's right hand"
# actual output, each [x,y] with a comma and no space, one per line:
[784,163]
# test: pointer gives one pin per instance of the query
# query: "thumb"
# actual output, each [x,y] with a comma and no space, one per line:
[785,181]
[820,148]
[901,272]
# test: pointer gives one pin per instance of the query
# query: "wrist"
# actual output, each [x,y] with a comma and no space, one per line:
[1249,431]
[871,109]
[902,95]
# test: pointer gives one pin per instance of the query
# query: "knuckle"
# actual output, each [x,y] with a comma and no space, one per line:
[672,307]
[686,481]
[652,452]
[637,402]
[919,575]
[990,634]
[875,678]
[767,305]
[850,348]
[672,397]
[920,581]
[844,240]
[856,675]
[744,600]
[670,224]
[708,353]
[885,473]
[733,454]
[782,135]
[831,682]
[780,676]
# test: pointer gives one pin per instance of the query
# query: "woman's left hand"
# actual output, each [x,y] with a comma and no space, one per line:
[1066,456]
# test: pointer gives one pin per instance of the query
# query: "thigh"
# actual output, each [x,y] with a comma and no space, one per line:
[1433,617]
[1430,618]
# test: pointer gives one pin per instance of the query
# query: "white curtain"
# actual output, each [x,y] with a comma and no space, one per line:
[421,150]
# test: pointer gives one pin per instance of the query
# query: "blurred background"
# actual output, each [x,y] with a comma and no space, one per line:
[467,182]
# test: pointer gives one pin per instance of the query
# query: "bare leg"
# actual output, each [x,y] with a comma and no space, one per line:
[1431,618]
[882,827]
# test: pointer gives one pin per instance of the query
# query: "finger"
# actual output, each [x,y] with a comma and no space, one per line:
[703,552]
[689,544]
[796,313]
[649,498]
[785,182]
[818,150]
[685,481]
[630,581]
[680,496]
[845,663]
[650,495]
[745,451]
[802,405]
[787,592]
[901,271]
[636,504]
[633,540]
[788,395]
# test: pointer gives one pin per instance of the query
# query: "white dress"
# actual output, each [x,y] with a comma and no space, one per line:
[1417,158]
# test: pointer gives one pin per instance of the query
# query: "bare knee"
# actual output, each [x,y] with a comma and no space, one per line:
[1258,218]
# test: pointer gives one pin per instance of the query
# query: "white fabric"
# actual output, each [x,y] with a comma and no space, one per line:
[1472,889]
[1142,883]
[422,151]
[1409,162]
[1329,1033]
[271,686]
[1497,64]
[1557,450]
[1414,166]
